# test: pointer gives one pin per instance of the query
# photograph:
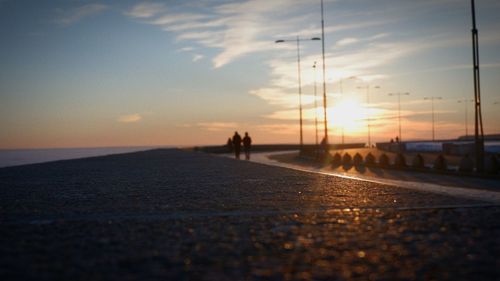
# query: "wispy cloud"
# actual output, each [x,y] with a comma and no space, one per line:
[169,20]
[197,57]
[131,118]
[363,62]
[450,68]
[146,10]
[347,41]
[218,126]
[70,16]
[186,49]
[237,29]
[279,129]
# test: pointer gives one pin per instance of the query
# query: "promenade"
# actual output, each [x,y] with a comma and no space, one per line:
[181,215]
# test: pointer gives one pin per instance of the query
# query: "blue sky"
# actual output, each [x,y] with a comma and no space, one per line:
[114,73]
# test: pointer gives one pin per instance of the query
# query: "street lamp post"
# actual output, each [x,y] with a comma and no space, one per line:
[343,125]
[465,101]
[497,103]
[298,40]
[315,108]
[367,87]
[432,110]
[478,122]
[324,78]
[399,109]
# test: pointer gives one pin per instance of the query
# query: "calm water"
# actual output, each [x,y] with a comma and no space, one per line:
[14,157]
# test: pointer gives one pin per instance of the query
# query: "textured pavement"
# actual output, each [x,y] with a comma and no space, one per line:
[178,215]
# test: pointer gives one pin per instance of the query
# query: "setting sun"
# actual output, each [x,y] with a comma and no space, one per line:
[348,114]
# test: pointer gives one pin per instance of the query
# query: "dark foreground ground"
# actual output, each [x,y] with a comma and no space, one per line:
[176,215]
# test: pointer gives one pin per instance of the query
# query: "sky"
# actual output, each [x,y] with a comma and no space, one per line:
[78,73]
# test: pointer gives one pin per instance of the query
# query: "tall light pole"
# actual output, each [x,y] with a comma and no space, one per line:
[465,102]
[315,107]
[478,124]
[343,125]
[298,40]
[399,109]
[432,111]
[367,87]
[497,103]
[324,78]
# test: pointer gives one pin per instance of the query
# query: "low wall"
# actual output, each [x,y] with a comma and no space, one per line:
[392,146]
[276,147]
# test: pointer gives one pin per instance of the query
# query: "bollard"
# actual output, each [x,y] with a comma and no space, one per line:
[418,162]
[370,159]
[491,165]
[357,160]
[466,164]
[400,161]
[336,160]
[346,159]
[383,160]
[440,163]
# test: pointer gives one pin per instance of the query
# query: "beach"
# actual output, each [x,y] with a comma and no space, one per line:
[184,215]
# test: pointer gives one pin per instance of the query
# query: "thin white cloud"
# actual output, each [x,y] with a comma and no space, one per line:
[347,41]
[278,129]
[276,96]
[70,16]
[364,62]
[146,10]
[166,20]
[378,36]
[450,67]
[218,126]
[242,28]
[184,26]
[197,57]
[186,49]
[237,29]
[131,118]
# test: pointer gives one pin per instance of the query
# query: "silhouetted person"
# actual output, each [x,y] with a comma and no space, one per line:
[324,145]
[247,143]
[392,140]
[229,145]
[237,145]
[397,139]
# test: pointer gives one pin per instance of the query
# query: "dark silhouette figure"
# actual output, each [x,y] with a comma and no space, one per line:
[397,139]
[324,146]
[237,145]
[247,144]
[229,145]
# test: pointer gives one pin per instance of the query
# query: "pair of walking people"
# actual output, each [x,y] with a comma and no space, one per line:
[247,143]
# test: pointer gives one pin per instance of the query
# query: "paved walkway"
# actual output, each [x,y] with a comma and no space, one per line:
[457,186]
[177,215]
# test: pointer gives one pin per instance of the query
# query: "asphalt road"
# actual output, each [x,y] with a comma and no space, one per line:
[177,215]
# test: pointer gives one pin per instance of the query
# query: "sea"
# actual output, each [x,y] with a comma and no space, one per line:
[16,157]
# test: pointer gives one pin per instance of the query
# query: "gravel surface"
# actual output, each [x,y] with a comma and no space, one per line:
[178,215]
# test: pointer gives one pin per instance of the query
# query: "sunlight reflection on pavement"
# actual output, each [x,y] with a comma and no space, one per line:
[489,196]
[183,215]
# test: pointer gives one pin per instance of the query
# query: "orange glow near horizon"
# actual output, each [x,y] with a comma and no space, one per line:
[348,114]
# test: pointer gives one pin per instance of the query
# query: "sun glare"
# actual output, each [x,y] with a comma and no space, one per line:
[348,114]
